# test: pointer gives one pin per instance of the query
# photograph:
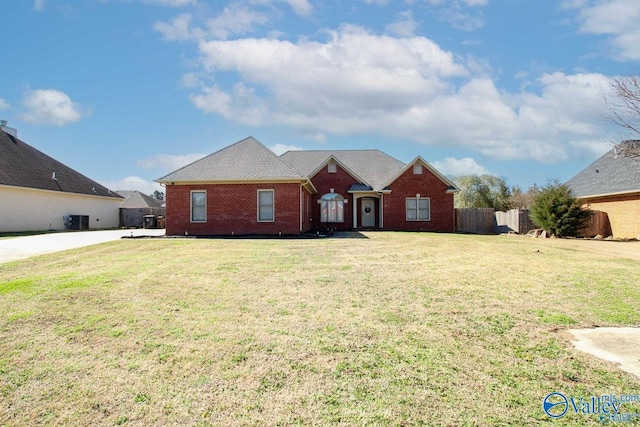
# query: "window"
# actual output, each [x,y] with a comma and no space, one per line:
[265,206]
[418,209]
[332,208]
[417,169]
[332,167]
[198,206]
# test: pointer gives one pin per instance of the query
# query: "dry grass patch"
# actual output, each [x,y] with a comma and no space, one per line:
[395,329]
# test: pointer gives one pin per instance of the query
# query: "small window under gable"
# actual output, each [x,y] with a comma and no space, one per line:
[417,168]
[332,167]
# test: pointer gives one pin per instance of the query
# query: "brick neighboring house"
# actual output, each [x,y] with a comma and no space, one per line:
[246,189]
[612,184]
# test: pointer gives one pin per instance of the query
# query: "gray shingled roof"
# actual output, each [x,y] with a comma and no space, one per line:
[137,200]
[21,165]
[245,160]
[618,171]
[372,166]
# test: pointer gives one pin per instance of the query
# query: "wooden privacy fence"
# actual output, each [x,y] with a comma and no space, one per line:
[514,220]
[488,221]
[596,224]
[475,220]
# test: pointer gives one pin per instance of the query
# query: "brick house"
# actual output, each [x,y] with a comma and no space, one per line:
[246,189]
[611,184]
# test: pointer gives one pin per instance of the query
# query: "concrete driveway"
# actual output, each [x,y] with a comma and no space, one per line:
[617,345]
[16,248]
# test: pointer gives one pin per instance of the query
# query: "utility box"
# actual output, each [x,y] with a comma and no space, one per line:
[78,222]
[149,221]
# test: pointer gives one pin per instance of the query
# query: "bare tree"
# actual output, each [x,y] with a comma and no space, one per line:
[624,111]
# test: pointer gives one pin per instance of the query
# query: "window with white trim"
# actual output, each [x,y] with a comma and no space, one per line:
[198,206]
[265,206]
[418,209]
[417,168]
[332,208]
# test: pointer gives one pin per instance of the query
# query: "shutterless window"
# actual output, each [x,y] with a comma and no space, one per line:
[418,209]
[332,167]
[332,208]
[417,169]
[198,206]
[265,205]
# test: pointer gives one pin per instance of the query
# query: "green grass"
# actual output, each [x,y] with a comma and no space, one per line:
[396,329]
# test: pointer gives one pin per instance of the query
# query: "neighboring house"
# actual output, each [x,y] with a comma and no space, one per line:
[38,192]
[136,206]
[246,189]
[612,184]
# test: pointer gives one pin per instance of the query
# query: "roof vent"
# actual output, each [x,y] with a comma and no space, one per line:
[10,131]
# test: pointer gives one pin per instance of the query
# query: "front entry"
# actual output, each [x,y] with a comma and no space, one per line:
[368,213]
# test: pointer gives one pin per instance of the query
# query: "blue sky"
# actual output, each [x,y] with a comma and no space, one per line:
[126,91]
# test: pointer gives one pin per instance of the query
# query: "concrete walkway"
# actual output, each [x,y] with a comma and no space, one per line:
[618,345]
[16,248]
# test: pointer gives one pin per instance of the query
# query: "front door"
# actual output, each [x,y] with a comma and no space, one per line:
[368,213]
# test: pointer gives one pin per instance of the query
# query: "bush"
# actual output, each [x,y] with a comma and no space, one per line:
[557,211]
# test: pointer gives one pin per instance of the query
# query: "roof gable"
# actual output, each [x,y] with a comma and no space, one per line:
[138,200]
[21,165]
[372,167]
[245,160]
[452,188]
[615,172]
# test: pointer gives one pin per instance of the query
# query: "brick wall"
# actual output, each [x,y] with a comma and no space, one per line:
[427,185]
[340,181]
[233,209]
[623,212]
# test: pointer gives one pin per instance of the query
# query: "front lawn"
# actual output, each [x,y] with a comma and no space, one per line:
[391,329]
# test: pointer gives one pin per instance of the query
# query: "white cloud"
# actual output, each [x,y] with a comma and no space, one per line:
[51,107]
[179,29]
[475,2]
[169,162]
[460,19]
[4,105]
[283,148]
[408,88]
[451,166]
[190,80]
[235,19]
[617,19]
[133,183]
[38,5]
[300,7]
[404,25]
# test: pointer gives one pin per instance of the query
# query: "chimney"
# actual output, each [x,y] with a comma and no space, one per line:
[11,131]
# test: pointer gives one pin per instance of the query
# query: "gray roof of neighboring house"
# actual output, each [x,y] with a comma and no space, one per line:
[618,171]
[245,160]
[137,200]
[21,165]
[372,166]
